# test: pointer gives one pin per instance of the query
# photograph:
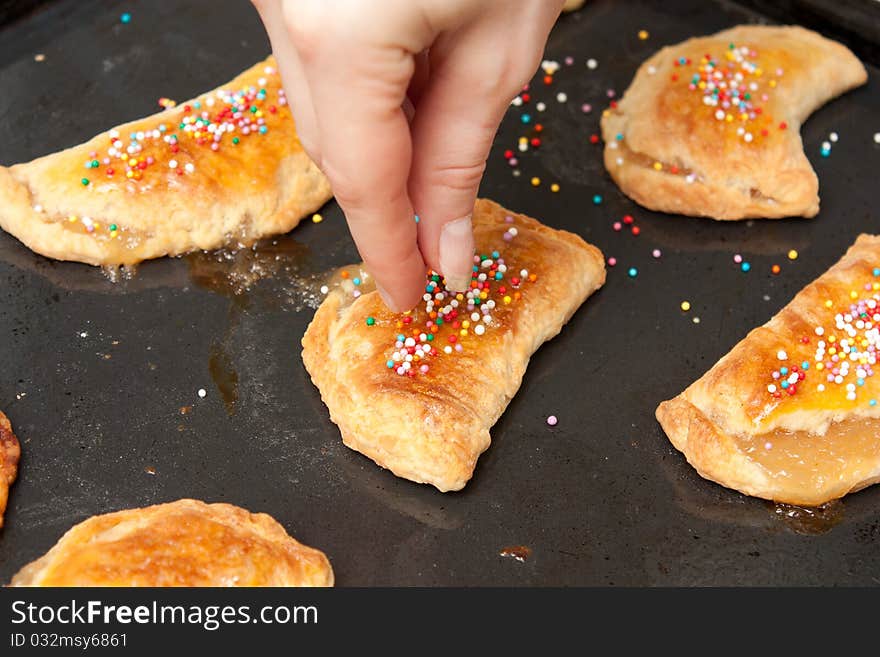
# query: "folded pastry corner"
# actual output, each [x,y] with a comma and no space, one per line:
[791,413]
[10,452]
[418,392]
[223,168]
[182,543]
[711,126]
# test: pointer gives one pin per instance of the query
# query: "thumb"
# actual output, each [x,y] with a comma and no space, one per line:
[455,122]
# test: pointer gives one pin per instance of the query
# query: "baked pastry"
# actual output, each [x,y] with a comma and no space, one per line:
[710,126]
[791,414]
[182,543]
[10,452]
[224,168]
[418,392]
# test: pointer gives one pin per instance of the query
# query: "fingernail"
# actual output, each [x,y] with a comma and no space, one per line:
[457,253]
[393,307]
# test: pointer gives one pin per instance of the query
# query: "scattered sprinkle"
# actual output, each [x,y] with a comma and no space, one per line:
[792,255]
[597,199]
[656,253]
[202,393]
[561,97]
[554,187]
[125,18]
[416,218]
[696,320]
[745,266]
[643,35]
[317,218]
[552,420]
[633,272]
[612,261]
[536,181]
[371,321]
[737,258]
[39,57]
[775,269]
[685,305]
[592,64]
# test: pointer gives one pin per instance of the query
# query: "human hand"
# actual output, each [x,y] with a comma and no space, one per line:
[398,102]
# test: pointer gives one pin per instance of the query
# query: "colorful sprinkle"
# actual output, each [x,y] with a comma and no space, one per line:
[685,306]
[317,218]
[453,316]
[633,272]
[792,255]
[125,18]
[552,420]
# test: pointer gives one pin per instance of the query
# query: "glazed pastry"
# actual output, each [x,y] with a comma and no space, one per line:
[418,392]
[791,414]
[10,451]
[182,543]
[710,126]
[224,168]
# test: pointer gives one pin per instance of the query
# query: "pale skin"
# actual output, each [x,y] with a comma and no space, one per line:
[398,102]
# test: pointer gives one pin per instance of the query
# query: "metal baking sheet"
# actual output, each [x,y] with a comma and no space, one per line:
[101,379]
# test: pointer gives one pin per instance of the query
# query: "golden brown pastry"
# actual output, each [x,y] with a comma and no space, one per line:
[226,167]
[10,452]
[710,126]
[182,543]
[418,392]
[791,414]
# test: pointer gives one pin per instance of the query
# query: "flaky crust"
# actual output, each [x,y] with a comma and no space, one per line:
[10,452]
[261,186]
[182,543]
[706,168]
[807,448]
[431,428]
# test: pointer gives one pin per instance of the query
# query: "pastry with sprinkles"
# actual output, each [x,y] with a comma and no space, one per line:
[711,126]
[10,452]
[225,168]
[417,392]
[791,414]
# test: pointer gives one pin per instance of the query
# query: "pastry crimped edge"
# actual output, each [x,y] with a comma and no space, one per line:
[714,453]
[797,181]
[299,189]
[447,464]
[94,531]
[10,453]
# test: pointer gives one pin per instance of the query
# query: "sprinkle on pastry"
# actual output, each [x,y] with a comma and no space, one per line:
[451,316]
[214,121]
[209,122]
[845,356]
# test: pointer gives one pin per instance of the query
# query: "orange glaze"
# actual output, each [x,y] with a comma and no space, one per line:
[695,121]
[251,164]
[805,461]
[518,255]
[787,332]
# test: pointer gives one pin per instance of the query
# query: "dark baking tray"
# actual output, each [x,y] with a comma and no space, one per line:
[601,498]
